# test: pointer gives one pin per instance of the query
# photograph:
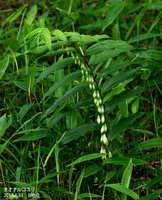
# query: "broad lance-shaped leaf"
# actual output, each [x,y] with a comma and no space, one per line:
[124,161]
[24,111]
[62,99]
[114,67]
[68,109]
[115,80]
[105,55]
[148,144]
[78,132]
[119,98]
[60,35]
[87,158]
[113,14]
[108,44]
[127,177]
[152,196]
[123,190]
[2,125]
[3,66]
[31,15]
[56,66]
[47,37]
[122,125]
[143,37]
[58,84]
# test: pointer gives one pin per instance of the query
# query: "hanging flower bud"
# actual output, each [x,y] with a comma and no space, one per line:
[104,139]
[94,94]
[98,94]
[98,119]
[95,101]
[102,129]
[90,86]
[93,86]
[82,72]
[100,101]
[102,119]
[105,127]
[110,155]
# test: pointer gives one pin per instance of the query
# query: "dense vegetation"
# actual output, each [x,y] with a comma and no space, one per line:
[80,99]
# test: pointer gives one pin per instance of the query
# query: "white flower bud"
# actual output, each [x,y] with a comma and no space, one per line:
[93,86]
[87,79]
[98,119]
[105,127]
[102,129]
[110,155]
[95,101]
[82,71]
[79,62]
[104,139]
[100,101]
[94,94]
[82,66]
[102,109]
[98,94]
[90,86]
[102,150]
[103,119]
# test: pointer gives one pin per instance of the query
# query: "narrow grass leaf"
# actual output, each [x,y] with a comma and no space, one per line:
[142,37]
[92,169]
[127,177]
[79,182]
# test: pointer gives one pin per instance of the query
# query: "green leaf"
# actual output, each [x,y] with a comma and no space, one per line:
[71,119]
[68,109]
[148,144]
[107,45]
[62,99]
[78,131]
[56,66]
[124,161]
[152,196]
[32,33]
[122,97]
[88,195]
[47,37]
[60,35]
[150,54]
[2,125]
[115,80]
[60,83]
[105,55]
[122,125]
[123,190]
[24,111]
[143,37]
[79,182]
[87,158]
[92,169]
[135,105]
[113,14]
[3,66]
[31,15]
[21,85]
[127,177]
[32,136]
[14,16]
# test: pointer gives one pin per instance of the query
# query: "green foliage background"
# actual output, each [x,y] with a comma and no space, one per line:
[61,62]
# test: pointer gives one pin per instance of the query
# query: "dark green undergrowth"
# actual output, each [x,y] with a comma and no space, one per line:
[80,114]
